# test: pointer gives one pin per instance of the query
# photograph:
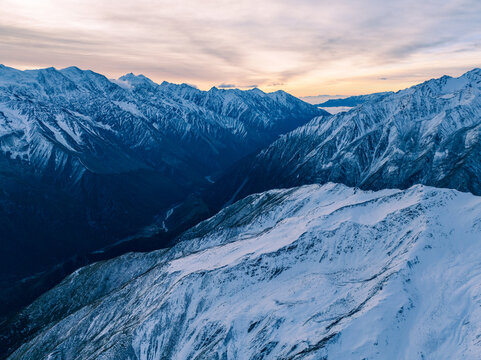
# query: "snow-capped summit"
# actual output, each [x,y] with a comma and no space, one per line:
[257,91]
[137,80]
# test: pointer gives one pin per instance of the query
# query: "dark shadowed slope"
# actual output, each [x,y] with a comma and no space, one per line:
[86,161]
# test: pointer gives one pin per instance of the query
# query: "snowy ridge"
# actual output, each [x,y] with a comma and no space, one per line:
[300,273]
[77,111]
[429,134]
[352,101]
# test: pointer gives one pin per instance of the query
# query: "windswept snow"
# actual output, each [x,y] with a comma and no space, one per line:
[305,273]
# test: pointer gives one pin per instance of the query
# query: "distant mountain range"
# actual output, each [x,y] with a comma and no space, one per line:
[352,101]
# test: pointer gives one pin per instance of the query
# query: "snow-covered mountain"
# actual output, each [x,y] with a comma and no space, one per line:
[47,113]
[86,160]
[353,101]
[427,134]
[334,106]
[313,272]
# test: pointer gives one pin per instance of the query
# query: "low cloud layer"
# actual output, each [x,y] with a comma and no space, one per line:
[305,47]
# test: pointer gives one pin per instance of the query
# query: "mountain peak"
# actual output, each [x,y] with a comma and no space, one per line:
[72,68]
[169,85]
[137,80]
[476,72]
[257,91]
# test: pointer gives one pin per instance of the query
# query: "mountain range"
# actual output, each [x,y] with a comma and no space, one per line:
[86,161]
[427,134]
[352,101]
[351,236]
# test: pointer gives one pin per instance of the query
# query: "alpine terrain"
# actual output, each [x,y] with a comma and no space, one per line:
[313,272]
[215,216]
[352,236]
[427,134]
[86,161]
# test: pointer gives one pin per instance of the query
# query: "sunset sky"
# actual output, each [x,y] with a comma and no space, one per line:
[305,47]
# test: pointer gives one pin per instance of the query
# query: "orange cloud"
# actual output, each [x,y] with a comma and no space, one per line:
[305,47]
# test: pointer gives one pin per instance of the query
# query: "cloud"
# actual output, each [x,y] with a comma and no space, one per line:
[226,86]
[317,99]
[304,46]
[122,83]
[233,86]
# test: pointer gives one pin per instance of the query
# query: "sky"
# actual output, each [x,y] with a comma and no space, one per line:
[305,47]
